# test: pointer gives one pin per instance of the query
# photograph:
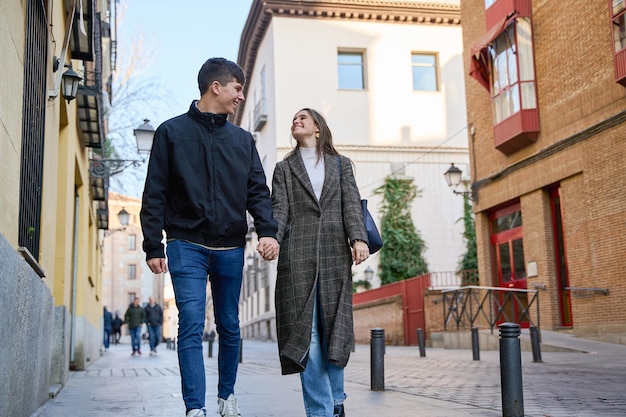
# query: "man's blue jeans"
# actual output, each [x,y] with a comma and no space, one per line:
[322,381]
[189,266]
[135,338]
[154,333]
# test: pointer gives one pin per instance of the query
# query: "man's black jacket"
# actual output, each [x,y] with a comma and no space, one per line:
[204,173]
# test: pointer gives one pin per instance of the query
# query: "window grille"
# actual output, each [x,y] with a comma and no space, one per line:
[33,115]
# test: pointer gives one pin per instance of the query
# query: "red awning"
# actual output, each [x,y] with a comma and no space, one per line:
[479,60]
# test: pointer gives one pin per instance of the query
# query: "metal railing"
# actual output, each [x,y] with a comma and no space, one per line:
[465,306]
[453,279]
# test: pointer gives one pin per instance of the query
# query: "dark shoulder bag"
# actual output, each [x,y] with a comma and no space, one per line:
[373,236]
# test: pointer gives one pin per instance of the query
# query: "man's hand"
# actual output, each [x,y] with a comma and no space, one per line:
[157,265]
[268,248]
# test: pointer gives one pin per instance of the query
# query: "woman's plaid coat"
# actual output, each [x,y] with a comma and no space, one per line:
[315,253]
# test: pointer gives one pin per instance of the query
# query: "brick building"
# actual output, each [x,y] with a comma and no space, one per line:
[546,107]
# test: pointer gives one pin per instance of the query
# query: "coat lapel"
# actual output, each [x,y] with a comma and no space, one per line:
[296,164]
[331,175]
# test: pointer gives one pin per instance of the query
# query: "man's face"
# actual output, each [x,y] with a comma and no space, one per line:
[230,95]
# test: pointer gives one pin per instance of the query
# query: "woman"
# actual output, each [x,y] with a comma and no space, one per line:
[317,205]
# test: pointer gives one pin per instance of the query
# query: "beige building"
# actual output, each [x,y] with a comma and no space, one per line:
[52,208]
[547,155]
[124,270]
[388,76]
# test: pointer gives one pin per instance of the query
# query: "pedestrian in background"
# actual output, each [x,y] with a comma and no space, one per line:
[107,322]
[204,174]
[135,317]
[154,321]
[321,233]
[116,325]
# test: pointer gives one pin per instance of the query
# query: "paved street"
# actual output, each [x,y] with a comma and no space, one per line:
[445,383]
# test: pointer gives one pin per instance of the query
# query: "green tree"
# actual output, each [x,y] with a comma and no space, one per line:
[401,257]
[469,260]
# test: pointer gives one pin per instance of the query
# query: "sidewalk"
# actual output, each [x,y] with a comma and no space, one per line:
[445,383]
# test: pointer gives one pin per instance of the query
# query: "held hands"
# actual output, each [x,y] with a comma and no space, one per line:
[268,248]
[360,252]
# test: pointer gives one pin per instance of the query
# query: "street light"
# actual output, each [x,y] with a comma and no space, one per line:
[144,134]
[124,217]
[105,168]
[454,177]
[368,273]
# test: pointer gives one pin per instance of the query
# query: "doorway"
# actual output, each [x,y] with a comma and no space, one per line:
[507,248]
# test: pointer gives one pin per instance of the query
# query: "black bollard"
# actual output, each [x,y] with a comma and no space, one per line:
[241,350]
[377,359]
[420,342]
[534,342]
[475,344]
[511,370]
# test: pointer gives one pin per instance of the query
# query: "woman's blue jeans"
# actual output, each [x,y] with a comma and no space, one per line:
[322,381]
[189,266]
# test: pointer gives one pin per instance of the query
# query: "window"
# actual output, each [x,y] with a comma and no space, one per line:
[351,72]
[132,271]
[131,297]
[512,71]
[503,62]
[618,16]
[260,111]
[424,67]
[619,28]
[132,242]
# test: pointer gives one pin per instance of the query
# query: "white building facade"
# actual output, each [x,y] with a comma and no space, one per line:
[388,77]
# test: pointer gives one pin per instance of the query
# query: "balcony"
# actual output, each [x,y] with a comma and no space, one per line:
[260,115]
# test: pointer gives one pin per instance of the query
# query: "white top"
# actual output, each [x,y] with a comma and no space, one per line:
[314,168]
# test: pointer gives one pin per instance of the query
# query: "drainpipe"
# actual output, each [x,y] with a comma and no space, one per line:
[74,268]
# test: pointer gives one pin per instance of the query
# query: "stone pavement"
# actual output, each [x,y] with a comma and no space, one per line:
[589,381]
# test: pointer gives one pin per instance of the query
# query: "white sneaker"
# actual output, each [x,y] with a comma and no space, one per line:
[196,412]
[228,407]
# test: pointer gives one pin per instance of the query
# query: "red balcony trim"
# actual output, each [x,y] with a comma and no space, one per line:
[517,132]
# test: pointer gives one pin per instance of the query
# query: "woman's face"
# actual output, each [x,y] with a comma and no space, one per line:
[303,127]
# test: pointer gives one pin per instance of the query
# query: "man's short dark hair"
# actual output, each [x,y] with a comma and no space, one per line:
[221,70]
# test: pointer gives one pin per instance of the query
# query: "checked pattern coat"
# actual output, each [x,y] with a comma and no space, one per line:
[315,252]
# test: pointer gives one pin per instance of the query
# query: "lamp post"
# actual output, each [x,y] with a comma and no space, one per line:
[105,168]
[69,83]
[454,177]
[124,219]
[368,273]
[144,134]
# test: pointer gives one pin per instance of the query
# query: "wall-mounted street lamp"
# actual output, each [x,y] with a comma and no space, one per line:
[68,81]
[368,273]
[124,217]
[454,177]
[104,168]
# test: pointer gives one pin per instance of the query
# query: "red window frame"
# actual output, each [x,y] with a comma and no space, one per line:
[521,128]
[617,21]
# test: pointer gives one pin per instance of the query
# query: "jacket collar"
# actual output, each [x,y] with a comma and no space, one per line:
[206,119]
[331,173]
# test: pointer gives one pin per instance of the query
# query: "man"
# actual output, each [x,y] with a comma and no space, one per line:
[154,320]
[107,322]
[116,325]
[204,174]
[135,317]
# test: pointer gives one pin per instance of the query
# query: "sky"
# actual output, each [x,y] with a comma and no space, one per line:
[185,34]
[179,36]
